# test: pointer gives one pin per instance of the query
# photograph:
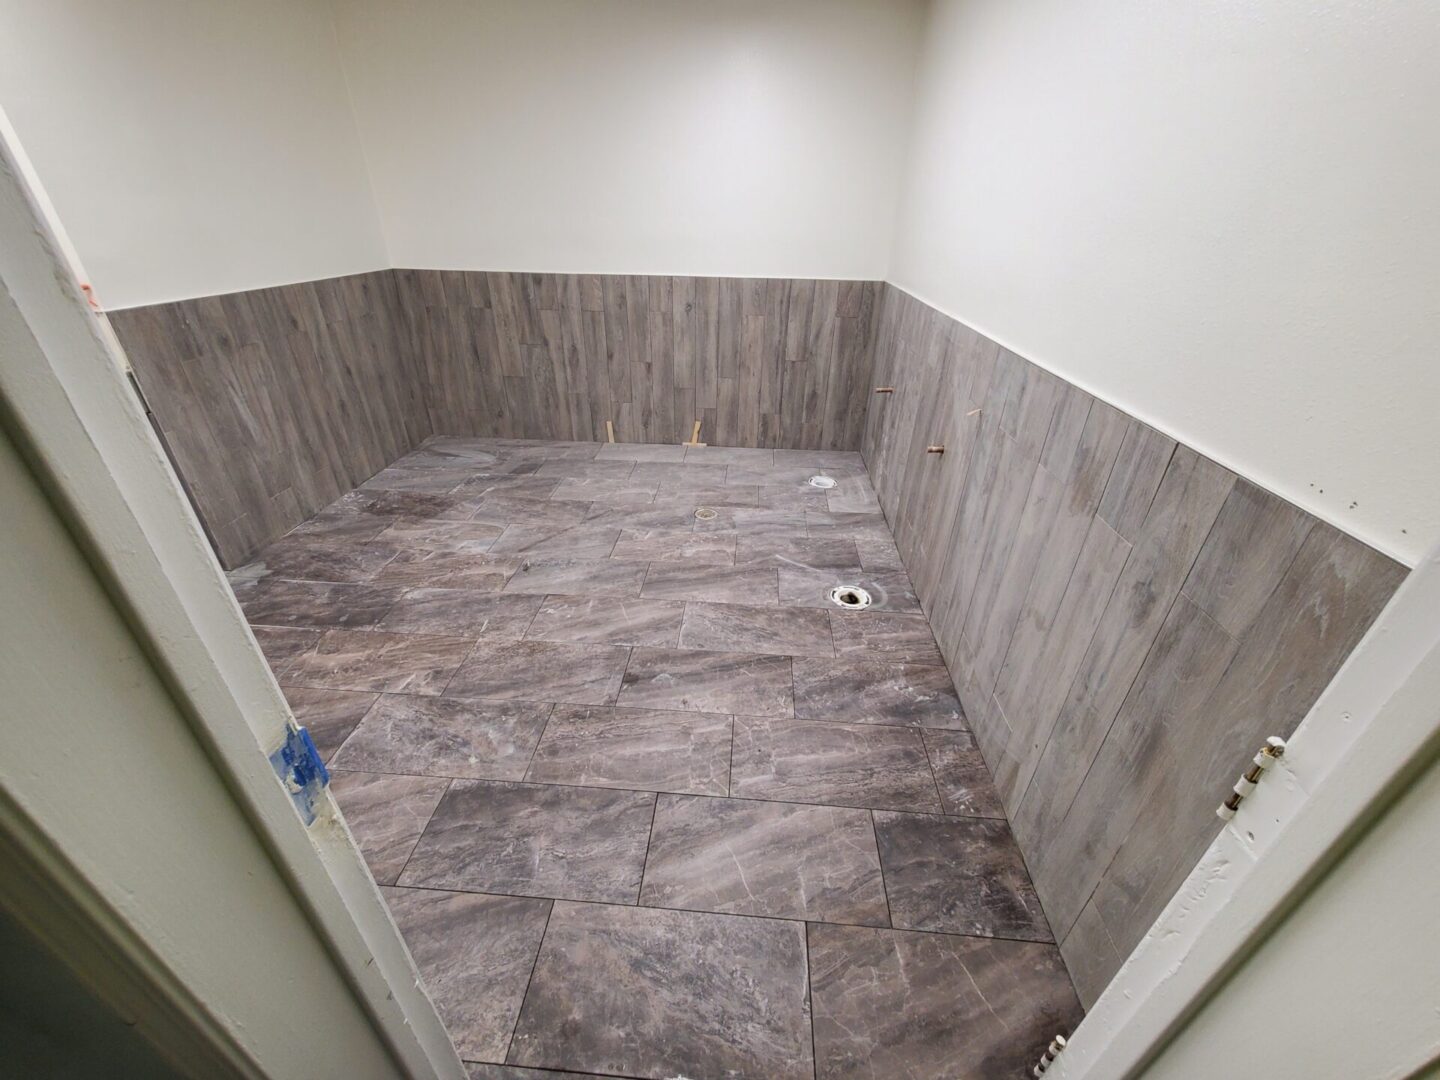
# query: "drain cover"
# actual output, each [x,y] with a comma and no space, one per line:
[704,513]
[822,482]
[849,596]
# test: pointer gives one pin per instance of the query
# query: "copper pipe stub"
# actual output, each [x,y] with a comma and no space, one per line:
[884,389]
[934,449]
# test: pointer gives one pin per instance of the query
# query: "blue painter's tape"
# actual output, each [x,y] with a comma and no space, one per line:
[300,769]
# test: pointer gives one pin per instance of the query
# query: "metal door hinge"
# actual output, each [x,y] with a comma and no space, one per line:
[1273,749]
[300,769]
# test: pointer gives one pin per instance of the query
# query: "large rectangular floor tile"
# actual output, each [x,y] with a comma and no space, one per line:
[543,671]
[958,876]
[708,682]
[762,550]
[469,537]
[884,635]
[893,1005]
[730,455]
[635,748]
[608,620]
[752,521]
[283,645]
[507,509]
[385,663]
[573,542]
[966,788]
[535,840]
[599,489]
[680,545]
[445,737]
[441,481]
[890,590]
[840,764]
[765,858]
[435,569]
[475,954]
[729,999]
[744,628]
[720,584]
[861,692]
[387,815]
[280,602]
[461,613]
[641,452]
[588,577]
[827,523]
[324,558]
[329,715]
[517,484]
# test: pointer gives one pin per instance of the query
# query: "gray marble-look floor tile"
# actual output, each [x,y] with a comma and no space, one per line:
[790,497]
[680,476]
[721,584]
[607,620]
[281,602]
[329,715]
[796,477]
[958,876]
[796,551]
[861,692]
[669,516]
[542,671]
[394,505]
[966,787]
[730,455]
[878,553]
[820,459]
[604,490]
[303,557]
[352,525]
[675,545]
[838,764]
[578,577]
[436,454]
[708,682]
[470,537]
[475,954]
[462,613]
[753,521]
[477,740]
[852,495]
[574,542]
[890,590]
[440,481]
[641,452]
[884,635]
[817,863]
[730,998]
[386,814]
[283,645]
[708,494]
[428,568]
[640,749]
[535,840]
[743,628]
[826,523]
[487,486]
[522,510]
[384,663]
[586,470]
[895,1005]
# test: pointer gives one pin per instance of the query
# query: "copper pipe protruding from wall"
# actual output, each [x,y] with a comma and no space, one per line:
[884,389]
[934,449]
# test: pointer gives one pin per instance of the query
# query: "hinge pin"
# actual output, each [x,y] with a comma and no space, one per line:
[1048,1058]
[1273,749]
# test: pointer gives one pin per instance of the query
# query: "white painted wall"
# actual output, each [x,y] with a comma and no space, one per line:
[1219,216]
[191,147]
[737,138]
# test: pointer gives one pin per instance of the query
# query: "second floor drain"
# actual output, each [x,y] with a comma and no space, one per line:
[824,483]
[850,596]
[704,513]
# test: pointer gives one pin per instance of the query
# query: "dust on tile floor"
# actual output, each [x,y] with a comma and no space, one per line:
[643,802]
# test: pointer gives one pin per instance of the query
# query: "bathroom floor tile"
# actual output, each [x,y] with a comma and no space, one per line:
[385,663]
[387,814]
[578,577]
[542,671]
[958,876]
[468,613]
[329,715]
[279,602]
[884,635]
[475,954]
[444,737]
[840,764]
[891,1004]
[864,692]
[721,584]
[783,860]
[730,999]
[640,749]
[708,682]
[535,840]
[607,620]
[966,788]
[743,628]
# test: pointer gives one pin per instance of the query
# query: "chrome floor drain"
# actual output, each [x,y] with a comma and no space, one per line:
[824,483]
[850,596]
[704,513]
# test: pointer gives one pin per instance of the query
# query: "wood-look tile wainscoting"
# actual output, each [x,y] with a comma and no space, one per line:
[274,402]
[772,363]
[1125,620]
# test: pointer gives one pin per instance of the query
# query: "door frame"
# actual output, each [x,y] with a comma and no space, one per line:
[66,404]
